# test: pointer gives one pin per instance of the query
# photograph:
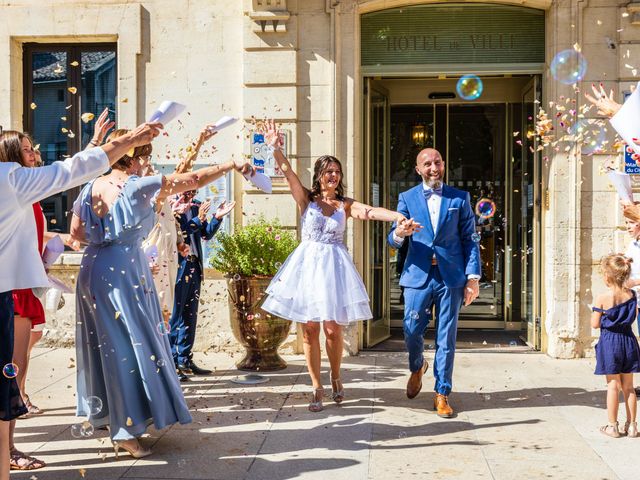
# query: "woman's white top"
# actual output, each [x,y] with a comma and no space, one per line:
[633,252]
[165,237]
[20,188]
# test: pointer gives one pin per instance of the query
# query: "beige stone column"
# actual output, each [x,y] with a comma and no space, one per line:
[583,219]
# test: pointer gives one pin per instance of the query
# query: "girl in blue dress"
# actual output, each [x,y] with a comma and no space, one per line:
[617,350]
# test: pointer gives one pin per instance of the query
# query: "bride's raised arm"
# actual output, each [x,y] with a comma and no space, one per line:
[299,192]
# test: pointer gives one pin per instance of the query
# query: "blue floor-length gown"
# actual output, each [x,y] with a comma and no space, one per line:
[126,377]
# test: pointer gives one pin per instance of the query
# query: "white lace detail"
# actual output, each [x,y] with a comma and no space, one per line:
[317,227]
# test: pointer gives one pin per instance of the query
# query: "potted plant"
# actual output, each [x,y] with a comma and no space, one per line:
[249,258]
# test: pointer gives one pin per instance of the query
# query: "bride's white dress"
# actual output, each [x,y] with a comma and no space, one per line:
[319,280]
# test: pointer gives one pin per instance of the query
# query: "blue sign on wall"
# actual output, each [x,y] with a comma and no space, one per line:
[630,165]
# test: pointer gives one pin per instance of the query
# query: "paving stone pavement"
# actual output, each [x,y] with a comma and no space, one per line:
[520,415]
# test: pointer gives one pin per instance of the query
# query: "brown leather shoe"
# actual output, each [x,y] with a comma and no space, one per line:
[442,407]
[414,385]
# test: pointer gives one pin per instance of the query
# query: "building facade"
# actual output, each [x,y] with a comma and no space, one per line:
[372,82]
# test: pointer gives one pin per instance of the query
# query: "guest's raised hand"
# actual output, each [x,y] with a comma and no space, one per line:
[102,126]
[606,105]
[204,209]
[207,133]
[272,134]
[223,209]
[145,133]
[245,168]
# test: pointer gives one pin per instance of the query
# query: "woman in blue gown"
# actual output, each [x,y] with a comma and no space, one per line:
[126,378]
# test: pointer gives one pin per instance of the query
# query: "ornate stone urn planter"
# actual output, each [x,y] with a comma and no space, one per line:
[249,258]
[259,332]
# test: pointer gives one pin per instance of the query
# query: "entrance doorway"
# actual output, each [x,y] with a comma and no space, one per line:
[489,151]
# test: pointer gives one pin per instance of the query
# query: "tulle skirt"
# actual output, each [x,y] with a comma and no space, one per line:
[318,282]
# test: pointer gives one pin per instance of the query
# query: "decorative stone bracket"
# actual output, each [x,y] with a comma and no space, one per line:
[270,16]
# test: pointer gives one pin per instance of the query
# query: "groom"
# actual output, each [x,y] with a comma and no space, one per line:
[442,269]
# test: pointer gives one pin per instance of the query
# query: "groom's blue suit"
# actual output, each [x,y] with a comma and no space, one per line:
[435,272]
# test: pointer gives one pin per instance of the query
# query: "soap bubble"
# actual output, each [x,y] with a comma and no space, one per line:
[568,67]
[82,430]
[10,370]
[485,208]
[469,87]
[589,134]
[93,405]
[475,237]
[163,328]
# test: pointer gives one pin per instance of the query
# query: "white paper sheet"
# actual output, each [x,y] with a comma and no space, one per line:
[52,251]
[261,181]
[223,122]
[627,120]
[58,284]
[622,183]
[166,112]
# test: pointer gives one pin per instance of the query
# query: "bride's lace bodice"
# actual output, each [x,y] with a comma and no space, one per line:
[317,227]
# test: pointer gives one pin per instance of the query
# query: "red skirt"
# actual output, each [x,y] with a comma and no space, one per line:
[26,304]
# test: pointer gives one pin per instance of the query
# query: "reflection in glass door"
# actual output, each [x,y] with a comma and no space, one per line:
[376,249]
[475,161]
[529,230]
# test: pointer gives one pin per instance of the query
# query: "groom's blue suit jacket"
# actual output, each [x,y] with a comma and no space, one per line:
[452,244]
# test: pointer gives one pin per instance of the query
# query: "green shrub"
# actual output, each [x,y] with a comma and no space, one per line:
[257,249]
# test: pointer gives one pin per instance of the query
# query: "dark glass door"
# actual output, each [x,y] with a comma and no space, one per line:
[475,162]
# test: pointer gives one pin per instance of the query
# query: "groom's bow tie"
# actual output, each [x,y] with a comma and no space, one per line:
[428,192]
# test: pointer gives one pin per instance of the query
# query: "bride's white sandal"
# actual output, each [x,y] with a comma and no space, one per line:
[316,405]
[337,390]
[610,430]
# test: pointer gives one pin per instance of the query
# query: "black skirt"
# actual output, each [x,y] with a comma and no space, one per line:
[11,404]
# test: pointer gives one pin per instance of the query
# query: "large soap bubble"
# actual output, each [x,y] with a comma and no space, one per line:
[590,134]
[469,87]
[568,67]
